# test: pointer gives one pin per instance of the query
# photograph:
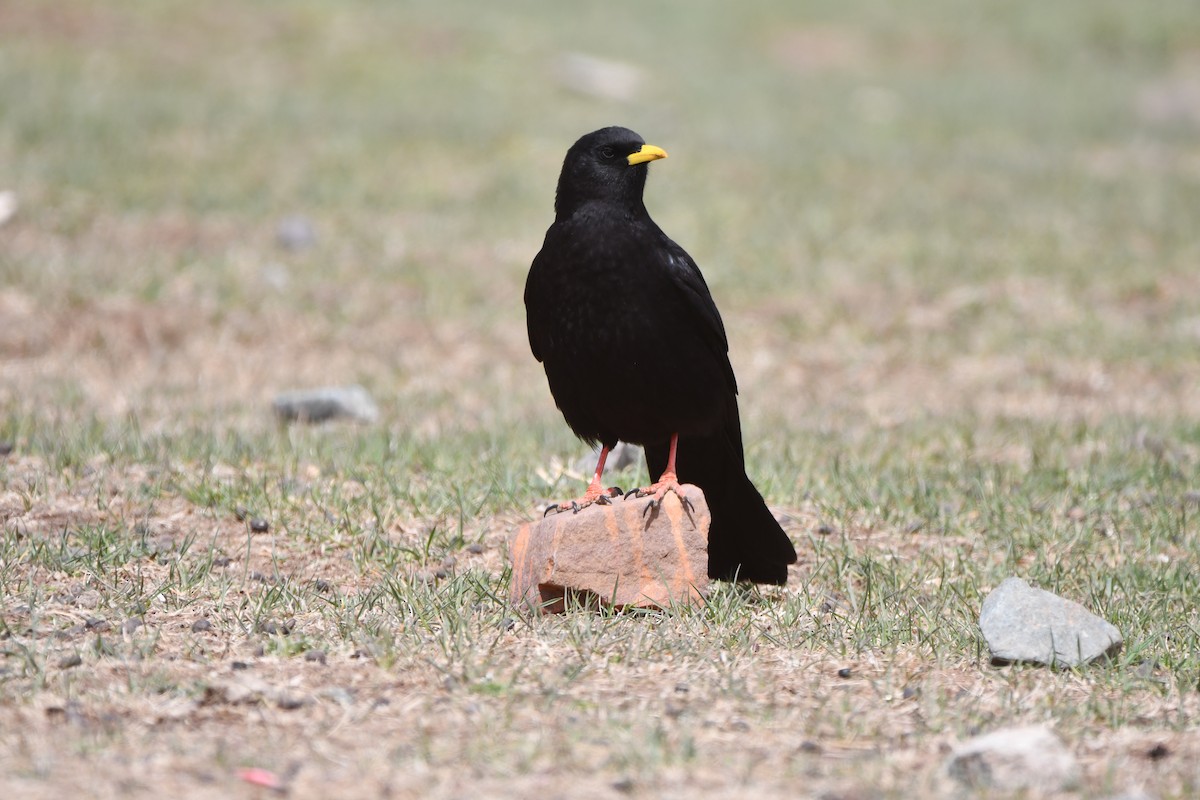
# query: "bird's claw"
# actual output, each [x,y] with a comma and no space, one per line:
[603,497]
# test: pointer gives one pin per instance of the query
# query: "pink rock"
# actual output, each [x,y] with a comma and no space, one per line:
[624,554]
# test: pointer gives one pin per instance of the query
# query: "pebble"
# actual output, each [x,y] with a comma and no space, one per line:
[599,77]
[68,662]
[475,549]
[289,702]
[330,402]
[132,624]
[259,525]
[8,206]
[296,232]
[1025,624]
[271,627]
[315,656]
[1158,752]
[1029,758]
[620,457]
[201,625]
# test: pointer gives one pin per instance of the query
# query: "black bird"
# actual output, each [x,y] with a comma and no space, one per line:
[635,351]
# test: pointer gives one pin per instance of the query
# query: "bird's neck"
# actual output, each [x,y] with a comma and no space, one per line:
[601,210]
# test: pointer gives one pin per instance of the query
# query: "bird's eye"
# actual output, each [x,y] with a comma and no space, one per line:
[607,153]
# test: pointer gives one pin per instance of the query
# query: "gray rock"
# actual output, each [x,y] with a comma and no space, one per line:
[1021,623]
[331,402]
[599,77]
[1135,793]
[1012,759]
[8,205]
[622,456]
[296,232]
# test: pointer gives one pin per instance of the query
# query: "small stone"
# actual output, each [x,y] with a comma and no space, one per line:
[598,77]
[8,209]
[1158,752]
[132,624]
[629,553]
[315,656]
[322,585]
[1014,759]
[70,661]
[259,525]
[221,561]
[273,628]
[6,448]
[845,672]
[296,232]
[824,529]
[475,549]
[240,513]
[1135,793]
[98,625]
[331,402]
[289,702]
[239,665]
[201,625]
[1024,624]
[624,785]
[1146,670]
[623,456]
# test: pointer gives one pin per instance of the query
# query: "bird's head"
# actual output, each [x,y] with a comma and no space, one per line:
[607,165]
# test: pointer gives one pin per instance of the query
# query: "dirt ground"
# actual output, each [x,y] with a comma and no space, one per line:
[183,696]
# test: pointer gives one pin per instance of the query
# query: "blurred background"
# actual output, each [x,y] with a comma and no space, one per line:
[937,213]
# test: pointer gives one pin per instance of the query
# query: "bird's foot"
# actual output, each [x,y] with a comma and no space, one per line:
[669,482]
[595,494]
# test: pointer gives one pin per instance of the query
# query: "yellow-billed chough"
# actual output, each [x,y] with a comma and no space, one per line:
[635,351]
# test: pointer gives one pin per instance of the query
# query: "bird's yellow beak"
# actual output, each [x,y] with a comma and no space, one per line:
[648,153]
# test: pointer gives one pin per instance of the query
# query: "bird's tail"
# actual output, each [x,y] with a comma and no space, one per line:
[745,542]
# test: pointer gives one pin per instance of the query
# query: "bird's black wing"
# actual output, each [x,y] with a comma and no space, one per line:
[687,277]
[534,324]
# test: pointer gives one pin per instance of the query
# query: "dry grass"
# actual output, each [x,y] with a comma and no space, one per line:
[956,256]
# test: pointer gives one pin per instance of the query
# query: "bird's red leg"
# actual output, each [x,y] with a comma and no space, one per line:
[668,481]
[595,493]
